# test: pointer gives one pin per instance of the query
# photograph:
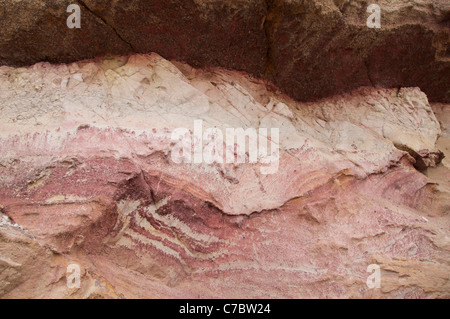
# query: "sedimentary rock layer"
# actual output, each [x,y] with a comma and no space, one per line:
[87,177]
[310,48]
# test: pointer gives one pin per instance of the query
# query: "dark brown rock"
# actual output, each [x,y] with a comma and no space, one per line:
[310,49]
[320,48]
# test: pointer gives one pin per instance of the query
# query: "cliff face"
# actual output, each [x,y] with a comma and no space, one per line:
[224,148]
[88,176]
[310,49]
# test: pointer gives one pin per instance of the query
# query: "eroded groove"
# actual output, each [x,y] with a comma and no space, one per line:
[270,21]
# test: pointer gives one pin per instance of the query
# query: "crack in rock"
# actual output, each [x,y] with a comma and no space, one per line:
[85,6]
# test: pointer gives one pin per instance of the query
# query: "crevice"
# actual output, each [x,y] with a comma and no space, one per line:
[85,6]
[270,21]
[372,82]
[152,194]
[421,161]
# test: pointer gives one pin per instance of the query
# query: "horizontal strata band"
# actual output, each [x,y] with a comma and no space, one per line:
[309,49]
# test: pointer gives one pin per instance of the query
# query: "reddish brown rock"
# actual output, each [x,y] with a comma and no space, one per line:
[320,48]
[310,49]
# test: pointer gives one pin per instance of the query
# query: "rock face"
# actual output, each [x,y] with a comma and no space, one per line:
[88,177]
[310,49]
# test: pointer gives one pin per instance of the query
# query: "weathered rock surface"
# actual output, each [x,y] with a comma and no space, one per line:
[310,49]
[87,177]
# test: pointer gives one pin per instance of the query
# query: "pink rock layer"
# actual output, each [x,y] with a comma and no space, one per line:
[86,177]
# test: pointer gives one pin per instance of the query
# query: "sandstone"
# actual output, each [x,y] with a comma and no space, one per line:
[87,178]
[310,49]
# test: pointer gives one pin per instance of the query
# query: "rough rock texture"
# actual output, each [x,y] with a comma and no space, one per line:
[86,177]
[309,48]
